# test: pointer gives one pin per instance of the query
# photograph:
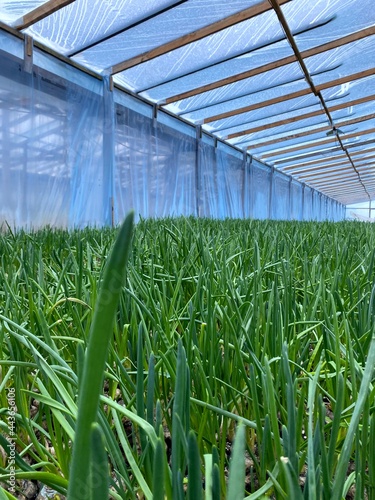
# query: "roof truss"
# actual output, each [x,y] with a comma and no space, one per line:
[253,11]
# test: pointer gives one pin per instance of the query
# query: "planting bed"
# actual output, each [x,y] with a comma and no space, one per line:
[240,364]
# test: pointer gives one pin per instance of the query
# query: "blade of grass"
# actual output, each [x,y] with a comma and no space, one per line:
[236,481]
[92,376]
[340,476]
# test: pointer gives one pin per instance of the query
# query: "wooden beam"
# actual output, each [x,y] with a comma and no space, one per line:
[311,144]
[317,169]
[325,174]
[293,95]
[314,131]
[348,193]
[229,21]
[44,10]
[304,156]
[347,173]
[314,143]
[336,185]
[273,65]
[321,162]
[301,117]
[336,160]
[230,79]
[326,167]
[330,182]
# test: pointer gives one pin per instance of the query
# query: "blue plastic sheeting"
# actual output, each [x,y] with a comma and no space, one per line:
[238,103]
[160,30]
[214,68]
[329,22]
[83,23]
[217,72]
[308,203]
[352,90]
[274,78]
[271,113]
[280,208]
[261,180]
[10,45]
[221,183]
[76,153]
[50,177]
[10,11]
[234,49]
[155,173]
[296,200]
[340,117]
[347,16]
[349,59]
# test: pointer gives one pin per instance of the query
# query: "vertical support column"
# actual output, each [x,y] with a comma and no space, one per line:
[290,199]
[303,202]
[28,61]
[320,206]
[250,190]
[28,49]
[271,194]
[155,115]
[109,209]
[244,184]
[198,166]
[6,193]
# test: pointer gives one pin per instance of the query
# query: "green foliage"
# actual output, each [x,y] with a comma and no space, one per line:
[246,332]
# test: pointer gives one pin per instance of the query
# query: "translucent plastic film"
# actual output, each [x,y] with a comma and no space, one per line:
[52,155]
[75,153]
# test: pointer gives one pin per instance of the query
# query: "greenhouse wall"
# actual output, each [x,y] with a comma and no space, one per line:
[76,152]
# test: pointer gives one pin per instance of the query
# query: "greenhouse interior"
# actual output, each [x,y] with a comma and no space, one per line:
[187,278]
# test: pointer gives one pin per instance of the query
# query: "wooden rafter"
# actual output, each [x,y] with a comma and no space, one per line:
[353,121]
[44,10]
[243,15]
[328,170]
[326,167]
[347,175]
[273,65]
[301,117]
[334,182]
[326,174]
[346,195]
[343,190]
[292,95]
[278,162]
[313,154]
[323,149]
[334,160]
[335,174]
[340,188]
[322,165]
[319,163]
[320,142]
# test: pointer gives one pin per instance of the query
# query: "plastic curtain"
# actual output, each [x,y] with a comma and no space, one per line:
[155,172]
[76,153]
[221,183]
[34,186]
[280,201]
[260,190]
[52,164]
[296,200]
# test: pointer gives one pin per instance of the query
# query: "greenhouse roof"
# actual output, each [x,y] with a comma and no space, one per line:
[291,82]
